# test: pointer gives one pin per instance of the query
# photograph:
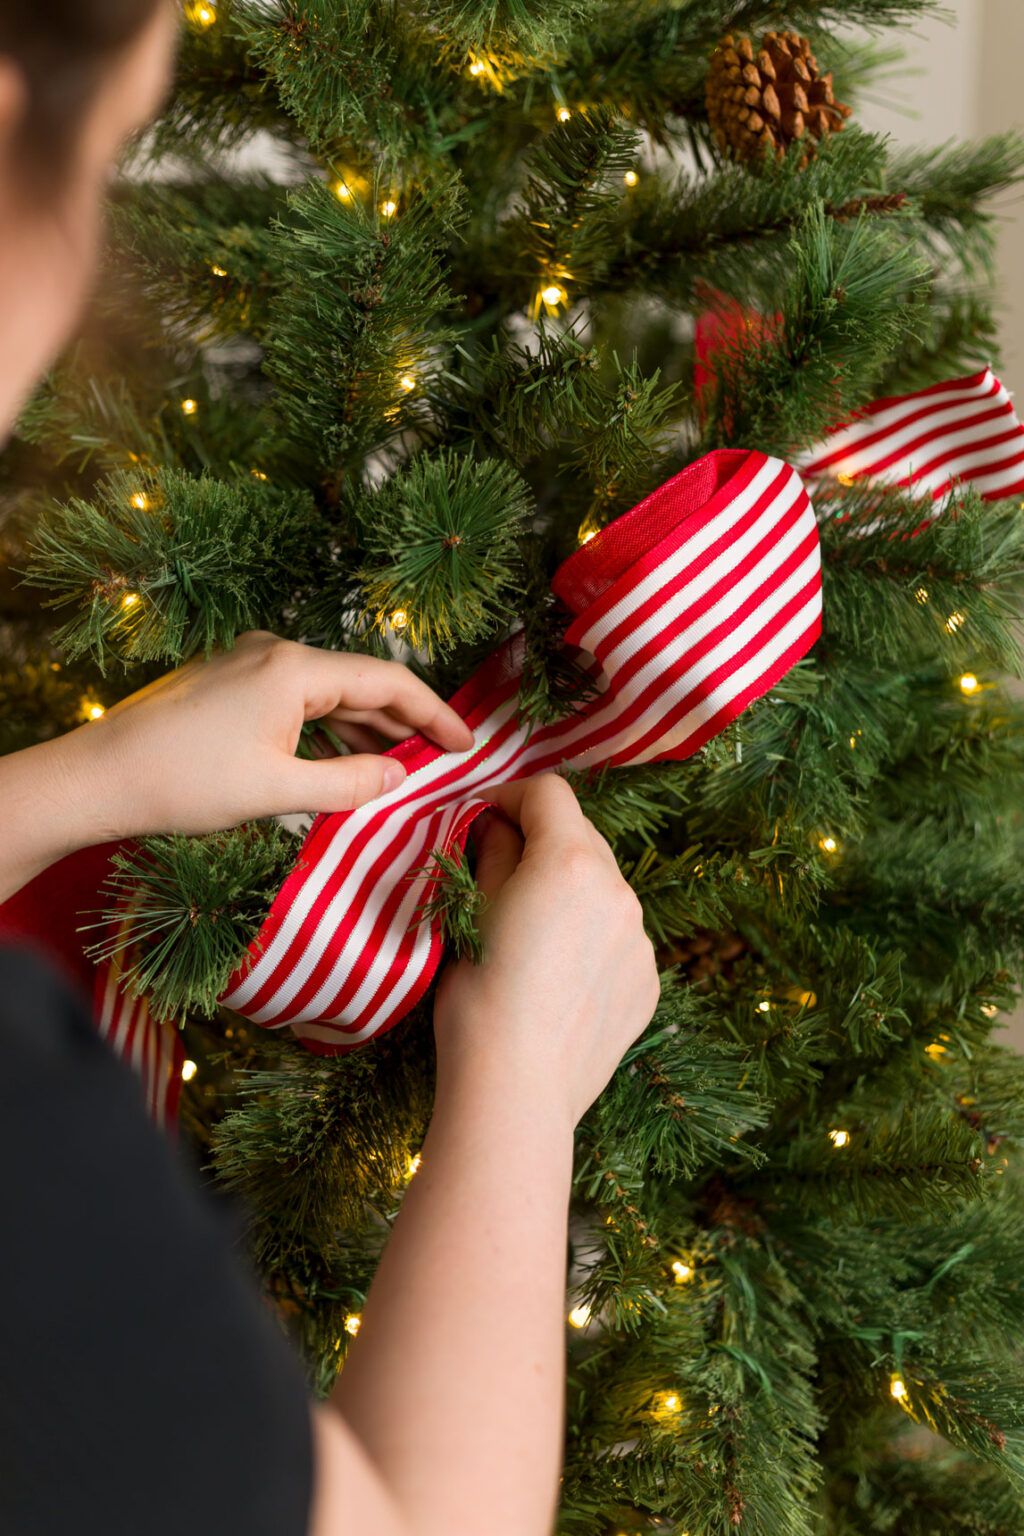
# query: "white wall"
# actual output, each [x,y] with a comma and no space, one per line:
[961,81]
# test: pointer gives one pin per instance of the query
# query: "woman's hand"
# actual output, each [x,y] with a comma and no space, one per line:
[568,978]
[213,744]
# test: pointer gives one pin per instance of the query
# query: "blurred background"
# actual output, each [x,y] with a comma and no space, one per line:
[961,79]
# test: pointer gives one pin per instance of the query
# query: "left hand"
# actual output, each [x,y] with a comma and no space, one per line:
[213,743]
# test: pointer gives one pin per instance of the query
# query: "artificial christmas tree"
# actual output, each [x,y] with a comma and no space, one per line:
[385,395]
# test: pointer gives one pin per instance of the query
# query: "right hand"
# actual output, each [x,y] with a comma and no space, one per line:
[568,978]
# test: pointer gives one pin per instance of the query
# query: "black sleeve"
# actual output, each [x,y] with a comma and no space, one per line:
[145,1389]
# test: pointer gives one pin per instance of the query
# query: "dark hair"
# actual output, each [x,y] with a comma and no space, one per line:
[64,48]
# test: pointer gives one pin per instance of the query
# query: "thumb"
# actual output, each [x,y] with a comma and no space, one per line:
[499,848]
[343,783]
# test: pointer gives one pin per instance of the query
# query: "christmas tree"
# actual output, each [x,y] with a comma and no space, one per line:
[402,305]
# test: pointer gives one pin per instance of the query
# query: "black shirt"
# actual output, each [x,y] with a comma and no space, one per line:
[145,1389]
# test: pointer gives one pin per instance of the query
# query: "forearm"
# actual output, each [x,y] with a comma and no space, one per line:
[46,808]
[455,1381]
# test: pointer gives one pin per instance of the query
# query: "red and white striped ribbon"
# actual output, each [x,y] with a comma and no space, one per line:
[963,431]
[689,607]
[686,609]
[153,1049]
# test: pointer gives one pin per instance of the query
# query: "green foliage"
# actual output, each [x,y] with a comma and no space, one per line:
[454,903]
[360,289]
[389,415]
[165,564]
[440,539]
[192,905]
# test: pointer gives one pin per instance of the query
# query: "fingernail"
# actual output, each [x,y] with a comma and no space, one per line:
[394,773]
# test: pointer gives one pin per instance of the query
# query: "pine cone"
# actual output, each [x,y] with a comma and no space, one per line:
[757,107]
[703,954]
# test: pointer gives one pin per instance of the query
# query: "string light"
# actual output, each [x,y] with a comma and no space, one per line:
[580,1316]
[564,114]
[189,407]
[353,1323]
[764,1007]
[898,1388]
[343,190]
[631,178]
[553,294]
[218,271]
[671,1402]
[839,1138]
[935,1050]
[989,1010]
[388,208]
[399,619]
[408,381]
[921,594]
[682,1271]
[140,501]
[955,620]
[188,1071]
[200,14]
[827,844]
[969,683]
[414,1163]
[92,710]
[129,600]
[257,474]
[846,479]
[476,67]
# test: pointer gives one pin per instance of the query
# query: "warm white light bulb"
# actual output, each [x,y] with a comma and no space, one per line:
[343,190]
[407,381]
[828,844]
[189,407]
[580,1316]
[476,67]
[839,1138]
[631,178]
[552,294]
[399,619]
[682,1271]
[95,711]
[352,1324]
[764,1007]
[218,271]
[188,1071]
[129,600]
[898,1388]
[969,683]
[388,208]
[564,114]
[140,501]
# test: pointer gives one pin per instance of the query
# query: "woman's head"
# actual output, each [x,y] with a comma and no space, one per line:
[77,77]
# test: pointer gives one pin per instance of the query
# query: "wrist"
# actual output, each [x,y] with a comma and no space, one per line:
[495,1089]
[86,788]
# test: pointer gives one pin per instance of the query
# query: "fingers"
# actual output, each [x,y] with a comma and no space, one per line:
[499,848]
[334,783]
[542,805]
[547,809]
[347,681]
[359,738]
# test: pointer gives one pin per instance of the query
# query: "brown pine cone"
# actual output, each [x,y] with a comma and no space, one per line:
[759,104]
[702,955]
